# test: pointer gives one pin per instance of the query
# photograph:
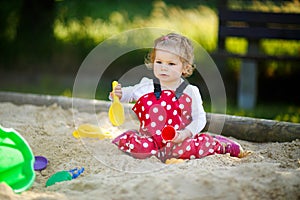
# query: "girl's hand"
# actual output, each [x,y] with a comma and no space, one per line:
[182,135]
[117,91]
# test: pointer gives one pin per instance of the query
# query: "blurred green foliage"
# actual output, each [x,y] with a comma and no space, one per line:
[189,21]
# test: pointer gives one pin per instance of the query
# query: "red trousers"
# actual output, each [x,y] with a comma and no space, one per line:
[140,146]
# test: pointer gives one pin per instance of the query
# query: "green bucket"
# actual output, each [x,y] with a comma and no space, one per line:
[16,160]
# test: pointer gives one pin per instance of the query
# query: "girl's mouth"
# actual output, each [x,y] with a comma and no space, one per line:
[164,74]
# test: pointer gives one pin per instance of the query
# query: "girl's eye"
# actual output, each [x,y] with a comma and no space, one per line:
[172,64]
[158,62]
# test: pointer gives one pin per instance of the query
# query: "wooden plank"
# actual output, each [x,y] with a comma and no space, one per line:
[257,16]
[245,128]
[83,105]
[255,130]
[259,33]
[254,56]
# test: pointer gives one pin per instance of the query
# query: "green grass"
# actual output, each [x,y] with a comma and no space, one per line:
[274,111]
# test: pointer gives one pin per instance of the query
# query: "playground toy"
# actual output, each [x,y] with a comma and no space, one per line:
[168,133]
[40,163]
[64,176]
[116,111]
[16,160]
[91,131]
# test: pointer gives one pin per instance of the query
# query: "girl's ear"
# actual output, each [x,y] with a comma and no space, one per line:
[185,70]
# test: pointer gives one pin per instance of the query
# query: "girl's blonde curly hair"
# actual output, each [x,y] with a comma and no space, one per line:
[176,44]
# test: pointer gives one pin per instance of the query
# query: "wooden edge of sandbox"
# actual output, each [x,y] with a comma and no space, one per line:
[244,128]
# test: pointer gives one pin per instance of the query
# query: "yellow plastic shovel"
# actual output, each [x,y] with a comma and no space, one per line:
[116,111]
[90,131]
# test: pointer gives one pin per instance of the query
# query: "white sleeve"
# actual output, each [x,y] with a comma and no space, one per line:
[198,113]
[133,93]
[127,93]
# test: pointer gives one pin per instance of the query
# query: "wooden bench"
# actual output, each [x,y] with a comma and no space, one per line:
[253,26]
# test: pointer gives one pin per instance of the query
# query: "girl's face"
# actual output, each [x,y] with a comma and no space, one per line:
[167,67]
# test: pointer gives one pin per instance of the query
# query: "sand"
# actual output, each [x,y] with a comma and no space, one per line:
[271,171]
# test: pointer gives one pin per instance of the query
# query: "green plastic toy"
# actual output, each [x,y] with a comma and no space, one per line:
[64,176]
[59,177]
[16,160]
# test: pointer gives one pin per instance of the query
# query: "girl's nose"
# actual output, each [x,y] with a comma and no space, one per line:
[164,67]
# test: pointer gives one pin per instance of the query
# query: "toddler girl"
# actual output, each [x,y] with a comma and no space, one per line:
[169,100]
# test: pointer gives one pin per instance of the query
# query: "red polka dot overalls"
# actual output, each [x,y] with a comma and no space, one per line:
[156,110]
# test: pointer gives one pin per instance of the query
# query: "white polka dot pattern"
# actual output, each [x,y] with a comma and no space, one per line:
[155,114]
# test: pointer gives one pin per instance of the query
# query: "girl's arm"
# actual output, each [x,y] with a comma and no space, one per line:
[133,93]
[124,93]
[198,113]
[198,116]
